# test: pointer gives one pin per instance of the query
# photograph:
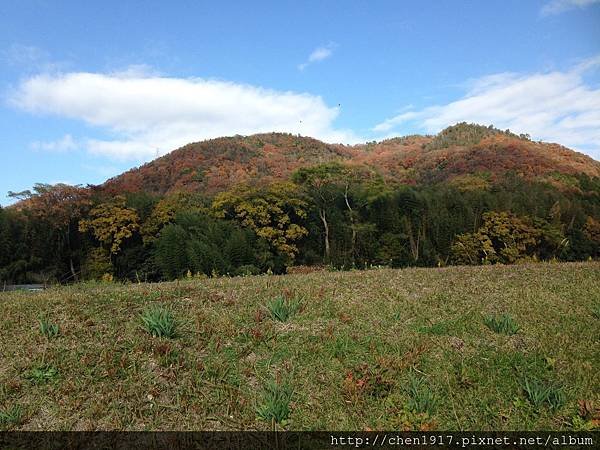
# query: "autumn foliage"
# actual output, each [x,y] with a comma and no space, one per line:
[263,203]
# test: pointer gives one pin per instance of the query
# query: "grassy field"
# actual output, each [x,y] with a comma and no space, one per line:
[459,348]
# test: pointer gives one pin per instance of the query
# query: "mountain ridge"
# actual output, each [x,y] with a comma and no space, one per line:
[461,150]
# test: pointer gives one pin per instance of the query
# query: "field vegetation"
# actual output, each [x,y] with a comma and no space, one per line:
[458,348]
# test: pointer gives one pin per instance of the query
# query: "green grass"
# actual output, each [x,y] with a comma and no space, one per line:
[42,374]
[596,310]
[159,322]
[379,349]
[503,324]
[282,309]
[10,417]
[47,329]
[422,399]
[275,406]
[540,393]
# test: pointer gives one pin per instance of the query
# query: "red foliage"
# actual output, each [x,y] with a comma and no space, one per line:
[219,164]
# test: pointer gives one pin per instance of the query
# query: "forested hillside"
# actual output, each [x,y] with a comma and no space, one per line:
[218,164]
[245,205]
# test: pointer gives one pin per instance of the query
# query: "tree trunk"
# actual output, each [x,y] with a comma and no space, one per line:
[323,217]
[414,238]
[352,224]
[71,266]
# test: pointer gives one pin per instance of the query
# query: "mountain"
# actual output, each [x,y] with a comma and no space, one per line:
[457,154]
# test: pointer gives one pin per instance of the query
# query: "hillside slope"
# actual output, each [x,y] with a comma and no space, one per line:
[350,355]
[218,164]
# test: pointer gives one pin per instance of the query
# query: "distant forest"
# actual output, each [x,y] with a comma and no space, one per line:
[339,213]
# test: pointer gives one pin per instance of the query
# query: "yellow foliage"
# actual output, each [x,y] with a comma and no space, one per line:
[273,213]
[111,223]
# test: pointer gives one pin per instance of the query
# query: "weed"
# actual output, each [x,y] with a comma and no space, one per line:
[42,374]
[596,310]
[539,393]
[422,398]
[47,329]
[11,416]
[341,346]
[373,380]
[504,324]
[159,322]
[437,329]
[276,402]
[282,309]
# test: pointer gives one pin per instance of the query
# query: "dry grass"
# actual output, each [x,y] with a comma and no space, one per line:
[348,354]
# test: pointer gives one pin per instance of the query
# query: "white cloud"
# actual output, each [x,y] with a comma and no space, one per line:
[556,106]
[559,6]
[30,59]
[319,54]
[65,144]
[149,115]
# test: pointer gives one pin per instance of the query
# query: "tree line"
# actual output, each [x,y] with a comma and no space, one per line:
[341,215]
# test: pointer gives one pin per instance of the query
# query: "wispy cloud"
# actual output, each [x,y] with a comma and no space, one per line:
[559,6]
[30,58]
[148,114]
[319,54]
[555,106]
[65,144]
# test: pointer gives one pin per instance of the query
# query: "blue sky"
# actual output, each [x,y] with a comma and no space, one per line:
[90,90]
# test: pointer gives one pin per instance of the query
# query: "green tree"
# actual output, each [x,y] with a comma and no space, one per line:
[323,184]
[165,210]
[58,207]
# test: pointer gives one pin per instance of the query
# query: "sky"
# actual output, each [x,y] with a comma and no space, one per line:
[91,89]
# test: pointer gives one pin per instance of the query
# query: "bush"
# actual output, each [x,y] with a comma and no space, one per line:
[248,269]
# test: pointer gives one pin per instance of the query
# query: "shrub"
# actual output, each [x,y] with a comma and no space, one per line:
[159,322]
[282,309]
[276,402]
[502,324]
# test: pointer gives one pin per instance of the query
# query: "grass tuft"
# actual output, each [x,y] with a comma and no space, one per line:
[42,374]
[276,402]
[11,416]
[47,329]
[282,309]
[341,346]
[422,398]
[160,322]
[539,393]
[504,324]
[437,329]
